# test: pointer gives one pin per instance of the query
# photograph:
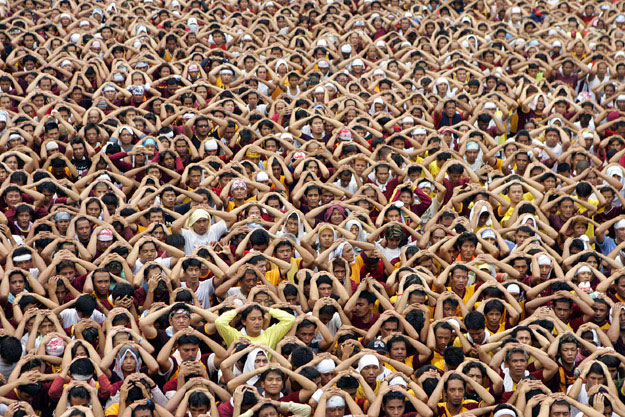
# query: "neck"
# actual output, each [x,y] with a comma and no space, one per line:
[367,317]
[453,409]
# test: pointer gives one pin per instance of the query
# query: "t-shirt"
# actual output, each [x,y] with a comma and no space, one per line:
[193,240]
[358,323]
[467,405]
[70,317]
[203,292]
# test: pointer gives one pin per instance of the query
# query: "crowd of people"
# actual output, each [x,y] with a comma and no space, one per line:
[316,208]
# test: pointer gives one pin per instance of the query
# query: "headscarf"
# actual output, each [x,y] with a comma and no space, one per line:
[532,105]
[330,210]
[527,217]
[338,251]
[300,226]
[280,62]
[482,210]
[195,216]
[121,355]
[321,229]
[362,235]
[249,365]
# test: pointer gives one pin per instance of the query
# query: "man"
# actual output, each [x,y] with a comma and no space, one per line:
[516,359]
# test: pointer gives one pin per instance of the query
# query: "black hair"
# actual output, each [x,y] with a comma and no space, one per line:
[301,356]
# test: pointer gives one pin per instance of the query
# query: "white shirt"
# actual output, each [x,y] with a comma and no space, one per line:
[164,262]
[193,240]
[203,292]
[70,317]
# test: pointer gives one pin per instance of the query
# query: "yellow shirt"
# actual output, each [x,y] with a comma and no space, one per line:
[467,294]
[360,393]
[438,361]
[508,214]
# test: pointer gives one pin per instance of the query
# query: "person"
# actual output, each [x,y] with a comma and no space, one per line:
[312,208]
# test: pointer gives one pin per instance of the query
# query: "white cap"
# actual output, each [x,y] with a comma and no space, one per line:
[488,233]
[515,10]
[420,131]
[407,119]
[319,90]
[118,77]
[556,44]
[211,145]
[620,19]
[513,289]
[322,43]
[326,366]
[262,176]
[51,146]
[490,105]
[346,49]
[582,269]
[379,71]
[324,64]
[66,62]
[620,224]
[75,38]
[380,44]
[367,360]
[473,146]
[335,401]
[358,62]
[621,97]
[544,260]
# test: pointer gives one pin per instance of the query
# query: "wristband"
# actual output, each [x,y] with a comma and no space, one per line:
[141,340]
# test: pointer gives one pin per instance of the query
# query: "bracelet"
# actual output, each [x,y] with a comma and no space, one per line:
[141,340]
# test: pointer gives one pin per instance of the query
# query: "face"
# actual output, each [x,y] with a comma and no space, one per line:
[273,383]
[493,318]
[369,373]
[16,284]
[562,310]
[147,252]
[394,408]
[558,410]
[458,280]
[181,321]
[200,226]
[335,412]
[517,364]
[362,307]
[443,337]
[306,334]
[455,392]
[325,238]
[130,363]
[254,322]
[101,282]
[382,174]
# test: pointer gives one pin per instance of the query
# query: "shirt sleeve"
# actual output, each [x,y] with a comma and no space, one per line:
[276,332]
[229,333]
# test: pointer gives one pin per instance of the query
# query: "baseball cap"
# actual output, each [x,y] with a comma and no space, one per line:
[377,345]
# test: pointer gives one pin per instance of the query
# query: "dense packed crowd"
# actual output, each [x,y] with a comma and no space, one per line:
[317,208]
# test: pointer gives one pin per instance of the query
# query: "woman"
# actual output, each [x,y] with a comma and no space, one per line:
[128,359]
